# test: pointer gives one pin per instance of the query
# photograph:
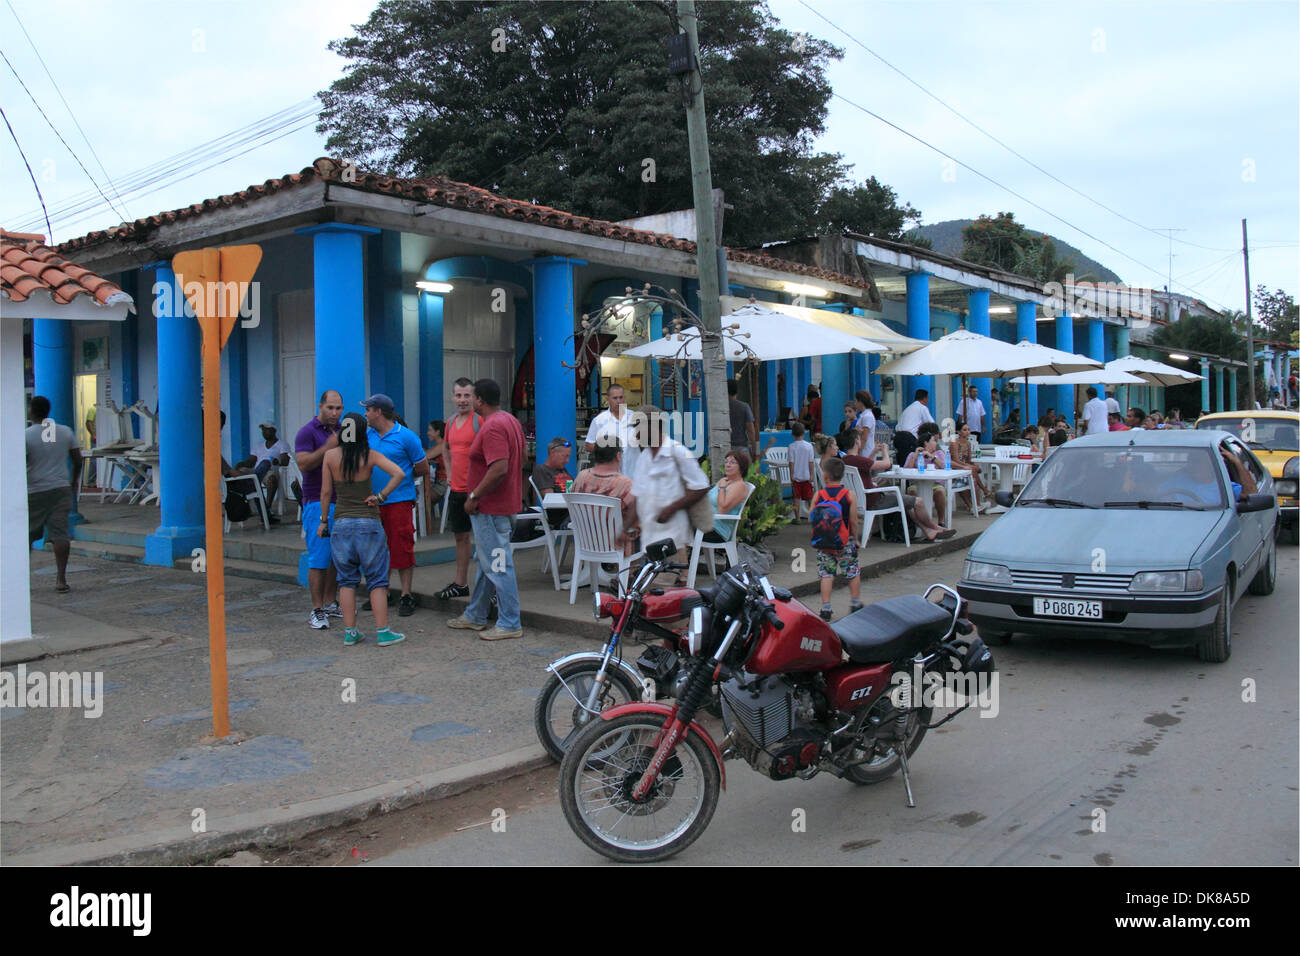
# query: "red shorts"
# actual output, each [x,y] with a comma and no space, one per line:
[803,490]
[399,527]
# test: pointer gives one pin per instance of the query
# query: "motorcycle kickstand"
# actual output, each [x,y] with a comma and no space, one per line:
[907,778]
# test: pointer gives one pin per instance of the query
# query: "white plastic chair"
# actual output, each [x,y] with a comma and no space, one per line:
[709,547]
[547,540]
[861,494]
[421,526]
[597,522]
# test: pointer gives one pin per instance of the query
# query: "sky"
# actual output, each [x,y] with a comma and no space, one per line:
[1174,115]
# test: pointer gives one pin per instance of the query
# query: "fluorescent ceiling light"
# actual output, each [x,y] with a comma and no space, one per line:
[1000,310]
[794,288]
[1179,355]
[430,286]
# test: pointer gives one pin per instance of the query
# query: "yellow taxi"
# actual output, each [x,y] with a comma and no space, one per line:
[1273,434]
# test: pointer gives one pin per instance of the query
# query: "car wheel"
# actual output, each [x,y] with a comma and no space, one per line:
[994,638]
[1216,646]
[1266,577]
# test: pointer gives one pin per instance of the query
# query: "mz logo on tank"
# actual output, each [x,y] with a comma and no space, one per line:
[808,644]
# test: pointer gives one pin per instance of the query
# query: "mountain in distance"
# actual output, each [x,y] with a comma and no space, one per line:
[946,239]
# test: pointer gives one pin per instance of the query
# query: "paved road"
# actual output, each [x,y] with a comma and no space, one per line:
[1184,770]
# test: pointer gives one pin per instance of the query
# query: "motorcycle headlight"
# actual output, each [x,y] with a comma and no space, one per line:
[1163,581]
[978,572]
[596,610]
[1292,468]
[695,631]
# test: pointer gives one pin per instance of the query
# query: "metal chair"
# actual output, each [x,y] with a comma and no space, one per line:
[597,522]
[709,547]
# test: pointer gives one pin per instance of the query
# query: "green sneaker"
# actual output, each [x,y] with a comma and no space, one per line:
[352,636]
[384,637]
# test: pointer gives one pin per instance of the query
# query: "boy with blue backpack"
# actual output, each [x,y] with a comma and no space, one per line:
[834,515]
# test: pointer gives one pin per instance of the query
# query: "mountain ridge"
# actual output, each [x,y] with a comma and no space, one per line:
[946,239]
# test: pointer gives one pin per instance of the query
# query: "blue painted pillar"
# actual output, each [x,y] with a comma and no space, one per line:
[52,345]
[384,292]
[1097,347]
[1218,390]
[804,378]
[1205,386]
[1232,390]
[836,382]
[235,398]
[129,358]
[1065,342]
[180,426]
[771,401]
[977,301]
[430,336]
[1121,350]
[553,322]
[1027,331]
[788,392]
[338,253]
[656,333]
[918,327]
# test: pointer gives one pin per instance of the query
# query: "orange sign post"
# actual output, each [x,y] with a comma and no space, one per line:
[214,282]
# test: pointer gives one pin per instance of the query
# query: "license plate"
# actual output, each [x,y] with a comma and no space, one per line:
[1058,607]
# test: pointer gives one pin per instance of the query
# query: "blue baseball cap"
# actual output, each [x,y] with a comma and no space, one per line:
[381,402]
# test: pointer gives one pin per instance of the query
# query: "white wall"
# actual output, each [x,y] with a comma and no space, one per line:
[15,553]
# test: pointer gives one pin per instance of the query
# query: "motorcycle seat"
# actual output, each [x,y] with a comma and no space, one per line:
[890,629]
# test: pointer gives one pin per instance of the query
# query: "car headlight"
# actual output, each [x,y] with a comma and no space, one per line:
[979,572]
[1292,467]
[1167,581]
[1285,488]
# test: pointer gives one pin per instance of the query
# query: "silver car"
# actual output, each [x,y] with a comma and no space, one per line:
[1142,536]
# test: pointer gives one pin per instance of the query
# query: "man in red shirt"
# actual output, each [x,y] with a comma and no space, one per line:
[496,483]
[460,434]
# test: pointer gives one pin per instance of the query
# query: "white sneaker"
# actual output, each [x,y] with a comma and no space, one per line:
[319,620]
[333,610]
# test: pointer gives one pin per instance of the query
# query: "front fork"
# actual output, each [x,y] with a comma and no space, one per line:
[676,725]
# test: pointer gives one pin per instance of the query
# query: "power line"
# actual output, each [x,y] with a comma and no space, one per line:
[50,234]
[40,59]
[58,134]
[1009,149]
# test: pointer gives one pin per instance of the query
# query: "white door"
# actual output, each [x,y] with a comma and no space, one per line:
[475,365]
[297,327]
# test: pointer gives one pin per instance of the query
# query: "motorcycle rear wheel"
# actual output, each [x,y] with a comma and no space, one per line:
[556,716]
[884,765]
[602,767]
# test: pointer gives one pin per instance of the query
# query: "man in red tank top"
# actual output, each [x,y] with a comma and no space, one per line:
[461,430]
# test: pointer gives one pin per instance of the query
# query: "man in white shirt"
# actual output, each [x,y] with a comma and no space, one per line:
[667,482]
[1095,414]
[1112,406]
[972,411]
[913,417]
[866,420]
[50,499]
[270,451]
[616,423]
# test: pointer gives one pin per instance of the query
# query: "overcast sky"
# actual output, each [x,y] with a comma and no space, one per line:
[1177,115]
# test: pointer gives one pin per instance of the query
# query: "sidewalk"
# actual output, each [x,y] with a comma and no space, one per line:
[322,734]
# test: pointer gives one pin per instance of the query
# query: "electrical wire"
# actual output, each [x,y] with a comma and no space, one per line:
[50,234]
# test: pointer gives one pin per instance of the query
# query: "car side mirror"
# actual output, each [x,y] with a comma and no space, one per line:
[1005,498]
[1256,502]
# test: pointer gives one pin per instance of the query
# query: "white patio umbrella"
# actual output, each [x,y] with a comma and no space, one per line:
[762,334]
[1103,376]
[1152,372]
[972,355]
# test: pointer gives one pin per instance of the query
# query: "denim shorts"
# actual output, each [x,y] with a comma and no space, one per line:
[360,546]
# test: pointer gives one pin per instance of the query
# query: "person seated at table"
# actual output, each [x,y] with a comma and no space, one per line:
[1034,435]
[550,474]
[269,453]
[728,495]
[850,445]
[927,448]
[605,477]
[959,451]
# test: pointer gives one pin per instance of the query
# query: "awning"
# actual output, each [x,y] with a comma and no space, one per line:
[855,325]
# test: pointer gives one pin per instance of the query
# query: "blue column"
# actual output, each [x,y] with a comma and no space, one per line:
[338,253]
[918,327]
[180,426]
[1121,350]
[52,345]
[977,301]
[803,378]
[384,287]
[553,322]
[1232,390]
[771,399]
[235,397]
[430,335]
[656,333]
[1097,347]
[129,359]
[836,382]
[873,380]
[1027,331]
[1205,386]
[788,393]
[1218,390]
[1065,342]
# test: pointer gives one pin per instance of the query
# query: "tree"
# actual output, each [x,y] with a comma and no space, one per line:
[1277,312]
[1003,243]
[869,209]
[1213,335]
[571,105]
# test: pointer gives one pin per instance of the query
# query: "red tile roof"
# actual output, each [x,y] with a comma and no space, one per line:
[440,191]
[27,265]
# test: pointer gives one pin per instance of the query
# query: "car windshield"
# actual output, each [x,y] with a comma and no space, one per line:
[1156,478]
[1263,434]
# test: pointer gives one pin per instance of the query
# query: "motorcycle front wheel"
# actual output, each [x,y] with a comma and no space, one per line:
[558,717]
[602,768]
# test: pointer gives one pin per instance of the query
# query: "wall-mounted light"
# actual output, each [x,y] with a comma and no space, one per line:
[427,285]
[1179,355]
[816,292]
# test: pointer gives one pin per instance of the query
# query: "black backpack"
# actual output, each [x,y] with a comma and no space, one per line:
[237,506]
[891,527]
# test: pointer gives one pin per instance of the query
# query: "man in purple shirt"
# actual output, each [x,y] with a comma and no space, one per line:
[314,439]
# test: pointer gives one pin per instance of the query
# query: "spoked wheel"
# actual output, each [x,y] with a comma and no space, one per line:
[883,761]
[600,771]
[558,717]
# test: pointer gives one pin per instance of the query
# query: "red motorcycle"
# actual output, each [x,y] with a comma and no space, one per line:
[641,783]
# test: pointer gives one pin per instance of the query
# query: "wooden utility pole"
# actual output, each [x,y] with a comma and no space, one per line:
[206,276]
[1250,322]
[706,249]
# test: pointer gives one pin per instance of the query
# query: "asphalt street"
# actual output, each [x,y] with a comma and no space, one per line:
[1101,754]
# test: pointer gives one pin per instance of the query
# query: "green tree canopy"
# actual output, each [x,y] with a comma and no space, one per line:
[571,105]
[1277,312]
[869,209]
[1002,242]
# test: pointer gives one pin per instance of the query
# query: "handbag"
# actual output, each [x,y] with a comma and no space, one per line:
[700,513]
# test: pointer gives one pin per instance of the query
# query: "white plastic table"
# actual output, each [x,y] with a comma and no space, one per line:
[926,480]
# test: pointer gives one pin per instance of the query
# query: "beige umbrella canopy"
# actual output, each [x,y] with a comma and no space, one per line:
[1152,372]
[972,355]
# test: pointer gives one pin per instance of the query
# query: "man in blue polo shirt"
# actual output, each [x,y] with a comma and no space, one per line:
[402,447]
